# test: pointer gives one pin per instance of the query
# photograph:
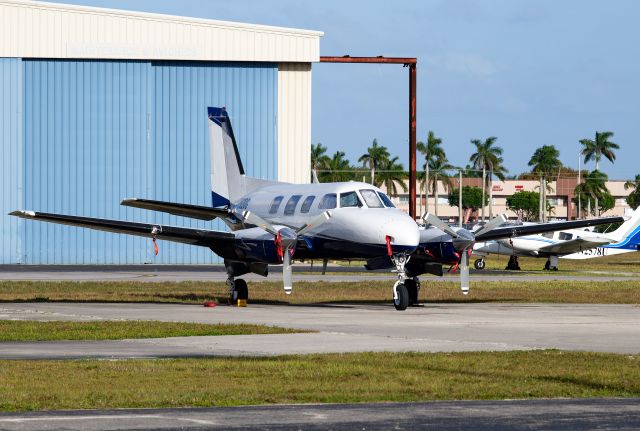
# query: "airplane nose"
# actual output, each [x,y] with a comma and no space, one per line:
[404,233]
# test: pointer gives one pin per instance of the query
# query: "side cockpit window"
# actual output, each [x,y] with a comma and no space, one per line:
[290,207]
[275,204]
[306,205]
[371,198]
[328,201]
[385,199]
[349,199]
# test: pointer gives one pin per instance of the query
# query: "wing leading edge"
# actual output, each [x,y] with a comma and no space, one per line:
[574,245]
[201,237]
[513,231]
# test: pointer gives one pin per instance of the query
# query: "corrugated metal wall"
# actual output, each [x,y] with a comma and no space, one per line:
[96,132]
[11,153]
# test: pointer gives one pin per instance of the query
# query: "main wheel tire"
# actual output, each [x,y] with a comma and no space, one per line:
[412,288]
[479,264]
[547,265]
[401,302]
[241,289]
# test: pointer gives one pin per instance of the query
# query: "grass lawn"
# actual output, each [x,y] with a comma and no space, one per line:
[334,378]
[19,330]
[196,292]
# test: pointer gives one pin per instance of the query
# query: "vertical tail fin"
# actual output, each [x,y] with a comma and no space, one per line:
[227,172]
[629,230]
[228,181]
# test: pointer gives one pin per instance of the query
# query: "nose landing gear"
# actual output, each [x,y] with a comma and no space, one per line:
[479,264]
[405,289]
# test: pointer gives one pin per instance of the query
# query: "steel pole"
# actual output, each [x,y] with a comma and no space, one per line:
[579,181]
[460,199]
[412,140]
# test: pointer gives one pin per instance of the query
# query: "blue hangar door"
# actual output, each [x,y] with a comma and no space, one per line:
[96,132]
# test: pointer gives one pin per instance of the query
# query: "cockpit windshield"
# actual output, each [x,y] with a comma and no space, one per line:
[386,200]
[371,198]
[349,199]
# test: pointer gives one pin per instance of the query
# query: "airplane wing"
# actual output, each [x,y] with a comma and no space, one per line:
[201,237]
[513,231]
[184,210]
[574,245]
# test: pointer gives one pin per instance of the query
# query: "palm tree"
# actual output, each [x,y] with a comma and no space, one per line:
[487,157]
[339,168]
[319,159]
[592,189]
[595,149]
[374,156]
[391,175]
[634,197]
[431,150]
[544,162]
[440,168]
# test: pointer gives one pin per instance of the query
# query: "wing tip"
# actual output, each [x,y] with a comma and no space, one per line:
[23,213]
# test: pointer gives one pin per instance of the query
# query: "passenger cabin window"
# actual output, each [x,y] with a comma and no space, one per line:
[306,204]
[328,202]
[275,204]
[371,199]
[349,199]
[548,235]
[290,207]
[385,199]
[565,236]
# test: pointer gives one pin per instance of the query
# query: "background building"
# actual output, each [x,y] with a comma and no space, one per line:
[559,195]
[97,105]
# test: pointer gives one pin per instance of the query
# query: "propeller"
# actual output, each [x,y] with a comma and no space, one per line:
[286,240]
[463,241]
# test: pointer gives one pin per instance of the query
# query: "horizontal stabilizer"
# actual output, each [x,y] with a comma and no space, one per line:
[201,237]
[184,210]
[519,230]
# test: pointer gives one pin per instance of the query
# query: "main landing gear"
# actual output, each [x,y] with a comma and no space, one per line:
[237,290]
[479,264]
[513,264]
[405,290]
[551,264]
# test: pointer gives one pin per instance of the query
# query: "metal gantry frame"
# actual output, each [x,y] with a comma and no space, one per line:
[411,63]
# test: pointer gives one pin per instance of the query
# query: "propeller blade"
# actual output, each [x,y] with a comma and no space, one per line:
[496,222]
[314,223]
[464,272]
[251,218]
[287,277]
[429,218]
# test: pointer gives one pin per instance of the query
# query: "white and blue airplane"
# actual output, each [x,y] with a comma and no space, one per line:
[272,223]
[565,244]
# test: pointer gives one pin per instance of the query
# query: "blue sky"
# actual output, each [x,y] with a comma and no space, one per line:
[531,73]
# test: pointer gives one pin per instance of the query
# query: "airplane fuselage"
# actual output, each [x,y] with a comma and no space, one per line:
[363,220]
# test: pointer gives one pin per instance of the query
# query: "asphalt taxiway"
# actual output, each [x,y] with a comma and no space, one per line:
[342,328]
[560,414]
[335,273]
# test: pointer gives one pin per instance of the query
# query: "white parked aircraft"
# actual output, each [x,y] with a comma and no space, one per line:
[272,223]
[567,244]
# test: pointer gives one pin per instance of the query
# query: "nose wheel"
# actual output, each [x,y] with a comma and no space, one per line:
[400,296]
[479,264]
[405,289]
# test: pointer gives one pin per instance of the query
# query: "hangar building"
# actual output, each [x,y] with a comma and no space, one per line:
[97,105]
